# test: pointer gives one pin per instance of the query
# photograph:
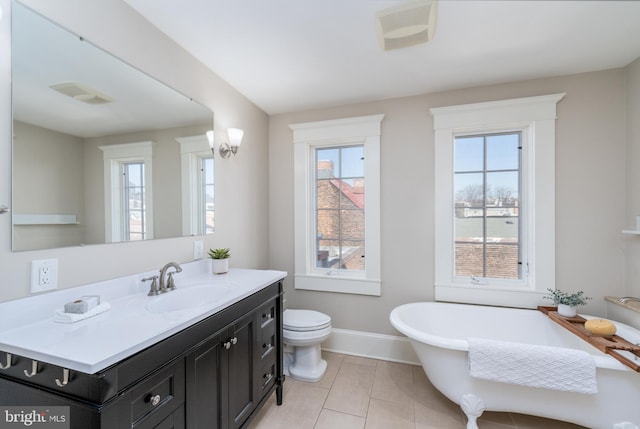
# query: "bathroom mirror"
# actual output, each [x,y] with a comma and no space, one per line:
[81,120]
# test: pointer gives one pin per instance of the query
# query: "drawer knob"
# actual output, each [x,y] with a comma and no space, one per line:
[154,399]
[266,346]
[234,340]
[267,316]
[267,377]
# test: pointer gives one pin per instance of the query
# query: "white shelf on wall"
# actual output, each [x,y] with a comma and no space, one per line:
[45,219]
[631,231]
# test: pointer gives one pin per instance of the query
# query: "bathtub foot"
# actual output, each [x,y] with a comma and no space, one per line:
[624,425]
[473,407]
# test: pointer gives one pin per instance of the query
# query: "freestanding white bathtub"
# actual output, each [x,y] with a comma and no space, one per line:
[438,333]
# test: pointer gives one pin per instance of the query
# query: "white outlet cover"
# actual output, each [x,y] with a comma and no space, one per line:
[198,249]
[36,267]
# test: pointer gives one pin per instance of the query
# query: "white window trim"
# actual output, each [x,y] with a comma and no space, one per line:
[192,148]
[306,137]
[113,156]
[535,117]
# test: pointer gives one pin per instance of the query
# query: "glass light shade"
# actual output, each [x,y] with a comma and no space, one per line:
[235,136]
[210,138]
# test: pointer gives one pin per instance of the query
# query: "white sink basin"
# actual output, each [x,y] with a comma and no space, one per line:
[190,297]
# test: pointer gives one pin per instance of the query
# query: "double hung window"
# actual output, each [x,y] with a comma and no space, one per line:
[337,205]
[495,201]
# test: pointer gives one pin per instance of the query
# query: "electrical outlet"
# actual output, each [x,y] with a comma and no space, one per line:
[44,275]
[198,249]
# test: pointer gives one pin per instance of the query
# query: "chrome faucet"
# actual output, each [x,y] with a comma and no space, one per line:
[626,299]
[169,284]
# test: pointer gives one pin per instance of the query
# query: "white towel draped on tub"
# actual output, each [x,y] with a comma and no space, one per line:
[531,365]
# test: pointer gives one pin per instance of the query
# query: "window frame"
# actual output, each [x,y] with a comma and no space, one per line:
[535,118]
[113,157]
[307,137]
[192,150]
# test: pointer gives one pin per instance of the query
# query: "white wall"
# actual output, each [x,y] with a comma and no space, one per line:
[590,206]
[632,81]
[241,188]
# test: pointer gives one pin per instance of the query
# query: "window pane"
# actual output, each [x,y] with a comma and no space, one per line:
[327,194]
[469,154]
[352,225]
[352,195]
[327,163]
[468,189]
[133,204]
[206,196]
[352,164]
[502,260]
[328,224]
[502,188]
[502,152]
[352,255]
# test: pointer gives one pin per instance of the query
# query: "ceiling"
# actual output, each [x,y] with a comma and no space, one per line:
[292,55]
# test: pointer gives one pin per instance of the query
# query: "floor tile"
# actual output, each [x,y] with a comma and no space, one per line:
[351,389]
[301,406]
[334,420]
[434,417]
[387,414]
[393,382]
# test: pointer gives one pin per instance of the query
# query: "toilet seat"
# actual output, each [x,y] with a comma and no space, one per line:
[305,320]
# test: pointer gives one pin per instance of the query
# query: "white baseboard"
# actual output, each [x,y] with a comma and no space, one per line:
[377,346]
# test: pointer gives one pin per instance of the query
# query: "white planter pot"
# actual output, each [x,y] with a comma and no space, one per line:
[566,310]
[220,266]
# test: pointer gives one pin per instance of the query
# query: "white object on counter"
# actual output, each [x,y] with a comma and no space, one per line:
[62,317]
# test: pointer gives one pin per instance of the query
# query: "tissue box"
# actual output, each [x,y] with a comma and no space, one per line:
[82,305]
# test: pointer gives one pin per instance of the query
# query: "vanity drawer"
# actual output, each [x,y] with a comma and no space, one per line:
[158,396]
[268,373]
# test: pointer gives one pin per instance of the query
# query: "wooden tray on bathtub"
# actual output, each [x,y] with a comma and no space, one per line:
[609,344]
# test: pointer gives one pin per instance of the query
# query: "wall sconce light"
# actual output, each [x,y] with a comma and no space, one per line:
[226,148]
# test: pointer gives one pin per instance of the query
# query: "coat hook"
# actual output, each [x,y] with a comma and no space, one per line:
[8,365]
[65,378]
[34,369]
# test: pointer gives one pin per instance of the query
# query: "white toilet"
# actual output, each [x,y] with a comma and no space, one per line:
[303,331]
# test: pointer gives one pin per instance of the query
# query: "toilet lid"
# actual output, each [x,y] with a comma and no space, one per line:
[305,320]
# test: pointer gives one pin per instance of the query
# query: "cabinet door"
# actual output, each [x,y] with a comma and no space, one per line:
[241,367]
[206,402]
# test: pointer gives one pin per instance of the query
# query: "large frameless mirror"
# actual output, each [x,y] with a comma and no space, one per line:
[101,151]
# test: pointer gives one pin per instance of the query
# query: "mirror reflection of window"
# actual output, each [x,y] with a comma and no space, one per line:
[206,195]
[198,189]
[128,202]
[134,211]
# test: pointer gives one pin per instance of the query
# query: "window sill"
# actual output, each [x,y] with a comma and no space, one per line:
[338,284]
[473,294]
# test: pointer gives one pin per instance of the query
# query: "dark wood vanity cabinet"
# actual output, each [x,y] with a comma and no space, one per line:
[216,373]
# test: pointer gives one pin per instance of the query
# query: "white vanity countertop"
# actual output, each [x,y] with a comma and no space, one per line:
[27,327]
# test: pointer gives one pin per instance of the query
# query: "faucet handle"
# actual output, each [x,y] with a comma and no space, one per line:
[171,284]
[154,285]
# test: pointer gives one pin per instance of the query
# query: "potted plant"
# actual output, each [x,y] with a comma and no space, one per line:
[567,302]
[220,258]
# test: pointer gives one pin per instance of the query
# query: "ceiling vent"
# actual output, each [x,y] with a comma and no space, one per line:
[406,25]
[81,92]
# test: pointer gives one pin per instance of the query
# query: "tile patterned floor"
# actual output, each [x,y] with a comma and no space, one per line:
[361,393]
